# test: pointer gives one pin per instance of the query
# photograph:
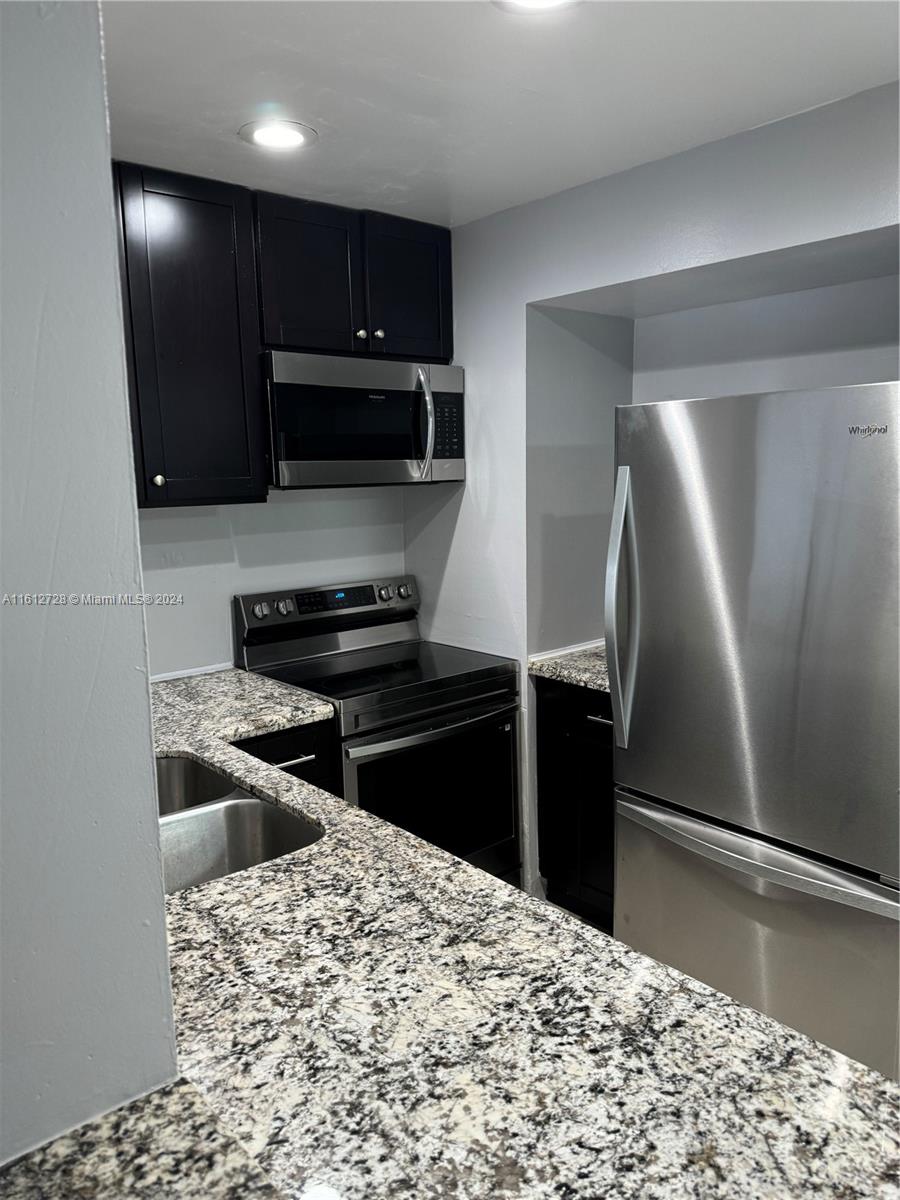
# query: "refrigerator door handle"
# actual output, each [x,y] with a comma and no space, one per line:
[764,862]
[621,683]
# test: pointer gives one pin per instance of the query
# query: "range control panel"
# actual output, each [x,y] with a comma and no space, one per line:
[377,595]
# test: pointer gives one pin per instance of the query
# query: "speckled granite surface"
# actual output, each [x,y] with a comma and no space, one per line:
[229,705]
[373,1015]
[587,668]
[167,1144]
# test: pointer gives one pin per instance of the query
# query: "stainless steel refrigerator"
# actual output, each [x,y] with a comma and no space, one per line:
[752,636]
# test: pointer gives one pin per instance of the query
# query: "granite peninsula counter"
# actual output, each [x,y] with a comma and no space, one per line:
[374,1017]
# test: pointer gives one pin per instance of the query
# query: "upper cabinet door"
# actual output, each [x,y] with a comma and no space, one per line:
[310,275]
[408,287]
[192,299]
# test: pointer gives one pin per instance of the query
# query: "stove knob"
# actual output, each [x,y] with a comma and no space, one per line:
[404,591]
[260,610]
[386,592]
[285,606]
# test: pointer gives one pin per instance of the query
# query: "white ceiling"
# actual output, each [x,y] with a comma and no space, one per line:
[451,110]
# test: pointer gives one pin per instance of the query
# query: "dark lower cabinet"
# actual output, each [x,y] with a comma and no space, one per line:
[192,310]
[311,286]
[576,804]
[310,752]
[408,287]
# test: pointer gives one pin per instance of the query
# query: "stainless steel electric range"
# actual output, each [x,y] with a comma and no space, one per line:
[426,735]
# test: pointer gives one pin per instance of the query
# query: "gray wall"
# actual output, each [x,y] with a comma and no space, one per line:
[822,337]
[578,368]
[85,1018]
[822,174]
[295,539]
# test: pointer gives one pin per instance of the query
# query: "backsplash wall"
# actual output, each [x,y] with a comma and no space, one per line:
[297,538]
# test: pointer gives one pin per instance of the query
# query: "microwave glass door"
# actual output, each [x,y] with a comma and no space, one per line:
[314,423]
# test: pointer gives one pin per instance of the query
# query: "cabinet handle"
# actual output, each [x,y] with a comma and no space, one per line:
[362,333]
[158,481]
[296,762]
[600,720]
[379,333]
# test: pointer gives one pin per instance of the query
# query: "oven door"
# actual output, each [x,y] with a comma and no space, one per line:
[452,782]
[338,421]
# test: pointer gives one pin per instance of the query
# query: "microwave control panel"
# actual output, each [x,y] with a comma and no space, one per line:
[449,434]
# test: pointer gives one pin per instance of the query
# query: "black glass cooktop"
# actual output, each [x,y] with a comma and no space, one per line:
[401,665]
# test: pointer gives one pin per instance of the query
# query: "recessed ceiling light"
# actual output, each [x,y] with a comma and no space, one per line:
[278,135]
[534,6]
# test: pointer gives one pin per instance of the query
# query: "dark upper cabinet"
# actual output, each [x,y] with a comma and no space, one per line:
[194,353]
[333,279]
[408,287]
[311,284]
[576,799]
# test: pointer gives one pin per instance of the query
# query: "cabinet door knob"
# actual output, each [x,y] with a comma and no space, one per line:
[362,333]
[379,333]
[158,481]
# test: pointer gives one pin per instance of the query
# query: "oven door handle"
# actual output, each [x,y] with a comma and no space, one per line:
[425,465]
[359,754]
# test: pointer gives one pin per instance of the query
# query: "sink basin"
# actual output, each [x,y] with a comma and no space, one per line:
[182,783]
[209,827]
[225,836]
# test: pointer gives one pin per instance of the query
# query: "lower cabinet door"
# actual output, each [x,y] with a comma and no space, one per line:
[576,804]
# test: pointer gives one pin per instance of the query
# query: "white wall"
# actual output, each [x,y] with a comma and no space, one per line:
[578,368]
[86,1012]
[823,337]
[209,554]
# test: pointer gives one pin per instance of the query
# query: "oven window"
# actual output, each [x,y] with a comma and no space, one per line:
[314,423]
[459,792]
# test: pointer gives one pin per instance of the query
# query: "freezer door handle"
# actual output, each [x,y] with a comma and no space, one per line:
[762,861]
[621,681]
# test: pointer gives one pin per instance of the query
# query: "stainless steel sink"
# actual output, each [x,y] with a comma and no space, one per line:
[206,839]
[182,783]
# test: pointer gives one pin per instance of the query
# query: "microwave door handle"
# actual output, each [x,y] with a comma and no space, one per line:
[425,465]
[360,754]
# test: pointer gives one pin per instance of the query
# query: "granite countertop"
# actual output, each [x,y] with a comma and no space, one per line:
[585,667]
[375,1017]
[163,1145]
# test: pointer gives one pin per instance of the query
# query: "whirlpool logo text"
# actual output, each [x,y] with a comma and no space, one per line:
[865,431]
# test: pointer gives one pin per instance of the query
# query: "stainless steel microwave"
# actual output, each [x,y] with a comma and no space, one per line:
[339,422]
